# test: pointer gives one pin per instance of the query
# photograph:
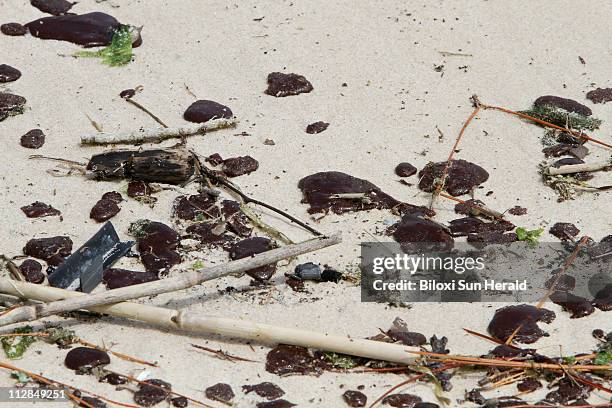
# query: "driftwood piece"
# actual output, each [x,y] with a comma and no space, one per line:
[242,329]
[158,135]
[182,281]
[579,168]
[170,166]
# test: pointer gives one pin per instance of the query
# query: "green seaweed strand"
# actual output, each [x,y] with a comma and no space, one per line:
[118,53]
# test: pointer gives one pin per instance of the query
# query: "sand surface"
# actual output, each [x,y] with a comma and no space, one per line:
[393,109]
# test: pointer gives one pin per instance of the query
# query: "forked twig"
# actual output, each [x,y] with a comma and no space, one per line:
[440,184]
[205,171]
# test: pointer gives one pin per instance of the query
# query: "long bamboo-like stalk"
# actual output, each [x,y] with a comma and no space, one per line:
[241,329]
[182,281]
[157,135]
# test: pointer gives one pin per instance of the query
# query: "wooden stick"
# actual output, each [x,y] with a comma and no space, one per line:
[241,329]
[157,135]
[182,281]
[578,168]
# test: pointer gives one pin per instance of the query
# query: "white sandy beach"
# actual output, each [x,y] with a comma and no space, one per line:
[389,112]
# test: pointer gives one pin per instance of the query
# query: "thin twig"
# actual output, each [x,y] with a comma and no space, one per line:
[73,397]
[248,200]
[494,362]
[65,161]
[116,354]
[484,336]
[10,308]
[583,380]
[492,213]
[507,380]
[410,380]
[95,124]
[553,286]
[440,184]
[189,90]
[454,54]
[33,334]
[568,262]
[145,110]
[223,355]
[266,228]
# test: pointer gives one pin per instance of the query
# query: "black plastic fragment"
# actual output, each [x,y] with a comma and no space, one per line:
[83,269]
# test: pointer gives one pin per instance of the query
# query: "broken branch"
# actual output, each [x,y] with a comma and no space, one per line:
[157,135]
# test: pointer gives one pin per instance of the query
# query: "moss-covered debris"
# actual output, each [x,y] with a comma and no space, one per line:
[15,346]
[563,118]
